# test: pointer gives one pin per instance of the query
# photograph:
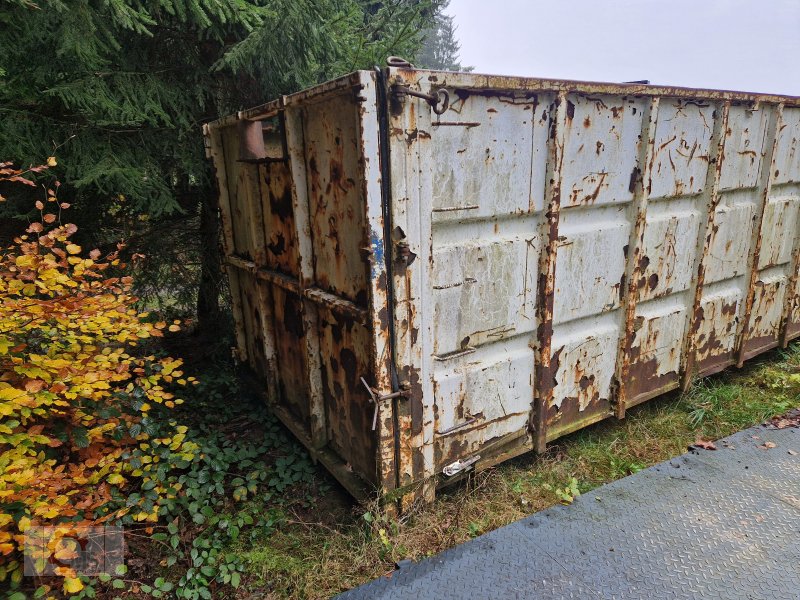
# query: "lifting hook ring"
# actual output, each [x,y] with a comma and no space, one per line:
[440,101]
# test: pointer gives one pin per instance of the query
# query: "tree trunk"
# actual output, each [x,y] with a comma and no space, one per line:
[208,305]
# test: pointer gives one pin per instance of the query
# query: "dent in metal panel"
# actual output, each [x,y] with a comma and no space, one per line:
[787,148]
[743,149]
[601,149]
[337,212]
[682,143]
[591,263]
[730,240]
[485,150]
[656,348]
[765,319]
[481,400]
[716,335]
[669,248]
[483,291]
[583,368]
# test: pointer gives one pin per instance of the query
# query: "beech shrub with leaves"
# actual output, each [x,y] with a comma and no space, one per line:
[77,388]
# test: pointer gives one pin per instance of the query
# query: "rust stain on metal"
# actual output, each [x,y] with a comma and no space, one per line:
[694,319]
[543,389]
[765,185]
[627,372]
[474,267]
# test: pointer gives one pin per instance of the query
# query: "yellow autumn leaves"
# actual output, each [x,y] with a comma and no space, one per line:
[175,326]
[74,387]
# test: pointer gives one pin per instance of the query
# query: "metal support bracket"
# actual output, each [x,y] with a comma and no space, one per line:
[403,254]
[460,465]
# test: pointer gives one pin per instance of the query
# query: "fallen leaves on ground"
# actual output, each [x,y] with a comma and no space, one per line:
[790,419]
[703,444]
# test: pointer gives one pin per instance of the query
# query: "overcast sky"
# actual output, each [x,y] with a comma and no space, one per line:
[748,45]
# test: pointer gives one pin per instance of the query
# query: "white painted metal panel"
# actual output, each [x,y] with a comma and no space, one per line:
[601,149]
[682,145]
[694,211]
[469,279]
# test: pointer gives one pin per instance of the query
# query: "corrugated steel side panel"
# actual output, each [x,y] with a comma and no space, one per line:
[581,248]
[553,253]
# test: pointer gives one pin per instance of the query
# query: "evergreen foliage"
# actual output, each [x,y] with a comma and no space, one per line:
[118,91]
[440,49]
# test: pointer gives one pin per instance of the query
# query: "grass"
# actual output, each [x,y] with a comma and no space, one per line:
[330,545]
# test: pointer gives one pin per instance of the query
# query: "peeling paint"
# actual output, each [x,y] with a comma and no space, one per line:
[551,254]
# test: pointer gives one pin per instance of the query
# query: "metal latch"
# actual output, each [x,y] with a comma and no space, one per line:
[376,398]
[440,101]
[460,465]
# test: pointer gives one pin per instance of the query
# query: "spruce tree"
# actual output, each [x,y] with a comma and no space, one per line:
[440,48]
[118,90]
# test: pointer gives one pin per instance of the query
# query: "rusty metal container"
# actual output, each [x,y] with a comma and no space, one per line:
[433,272]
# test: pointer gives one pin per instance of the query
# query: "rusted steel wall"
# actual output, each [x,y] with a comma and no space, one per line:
[580,248]
[301,211]
[529,257]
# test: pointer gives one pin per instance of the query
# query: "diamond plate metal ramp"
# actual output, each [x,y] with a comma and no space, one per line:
[723,524]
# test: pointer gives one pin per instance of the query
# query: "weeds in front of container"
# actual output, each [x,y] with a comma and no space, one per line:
[345,546]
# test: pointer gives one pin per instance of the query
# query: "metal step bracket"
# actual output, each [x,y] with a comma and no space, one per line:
[460,466]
